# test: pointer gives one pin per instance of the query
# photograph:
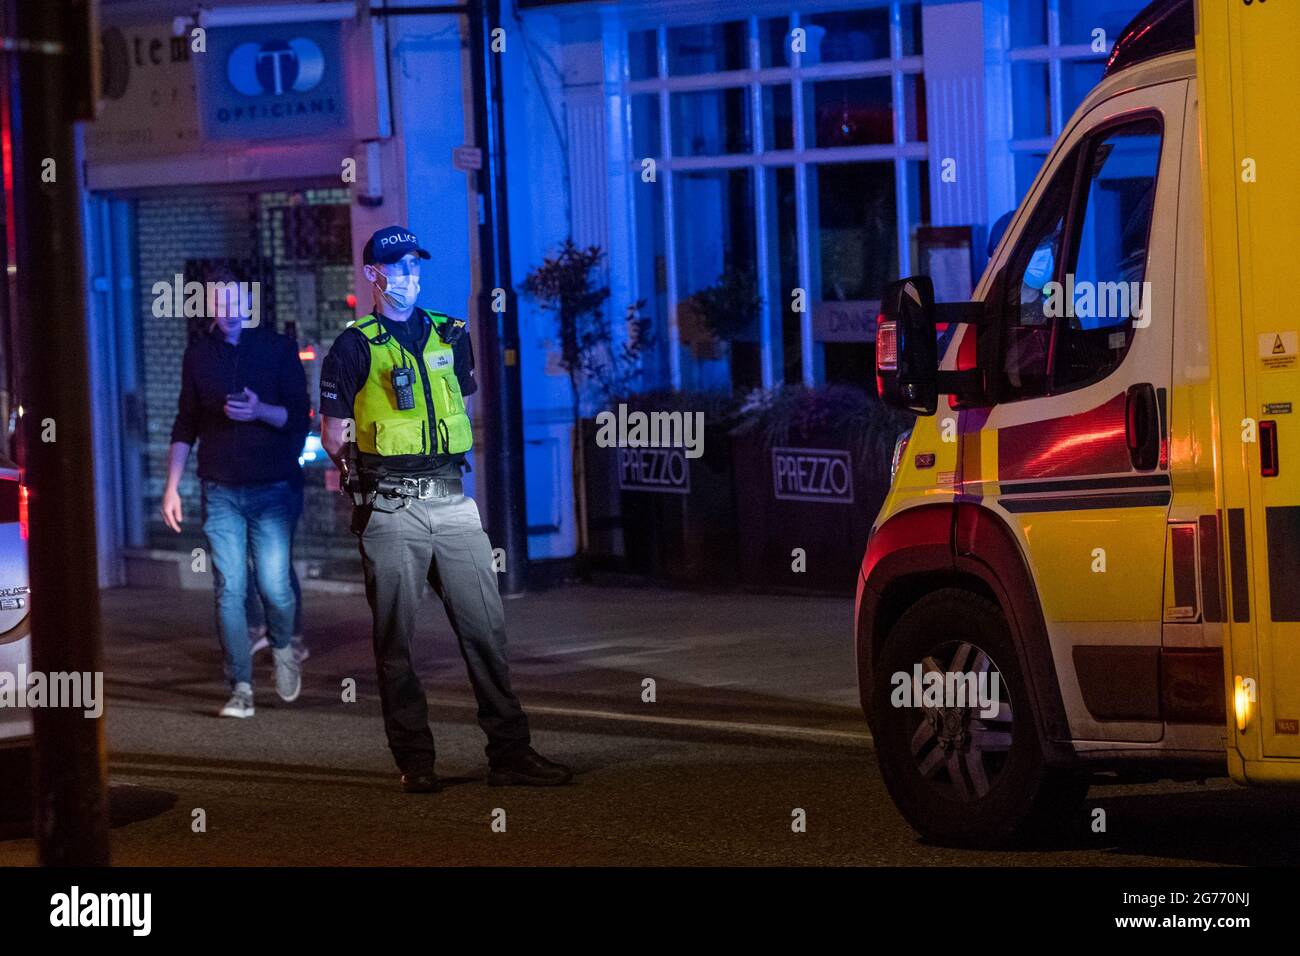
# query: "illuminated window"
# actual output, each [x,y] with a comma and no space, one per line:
[789,146]
[1058,53]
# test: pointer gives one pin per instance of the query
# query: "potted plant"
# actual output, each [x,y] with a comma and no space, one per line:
[565,284]
[709,320]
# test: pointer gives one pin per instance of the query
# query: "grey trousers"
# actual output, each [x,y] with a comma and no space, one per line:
[440,540]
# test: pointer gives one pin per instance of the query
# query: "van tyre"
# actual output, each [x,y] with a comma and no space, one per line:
[961,778]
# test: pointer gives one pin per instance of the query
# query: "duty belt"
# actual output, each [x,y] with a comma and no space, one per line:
[396,487]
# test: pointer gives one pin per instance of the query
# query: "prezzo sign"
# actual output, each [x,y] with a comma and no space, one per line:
[812,474]
[654,469]
[277,82]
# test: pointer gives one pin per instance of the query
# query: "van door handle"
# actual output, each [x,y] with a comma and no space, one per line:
[1142,426]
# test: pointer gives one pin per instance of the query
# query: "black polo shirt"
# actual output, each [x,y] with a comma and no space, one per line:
[243,453]
[347,366]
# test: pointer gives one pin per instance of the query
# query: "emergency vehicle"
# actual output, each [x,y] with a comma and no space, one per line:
[15,605]
[1099,502]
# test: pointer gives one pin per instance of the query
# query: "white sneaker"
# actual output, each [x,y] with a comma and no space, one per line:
[261,643]
[240,703]
[288,674]
[257,638]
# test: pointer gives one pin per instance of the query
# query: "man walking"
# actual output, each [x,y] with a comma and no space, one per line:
[393,419]
[244,400]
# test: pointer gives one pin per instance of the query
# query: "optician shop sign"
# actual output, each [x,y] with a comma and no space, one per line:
[148,105]
[812,474]
[272,82]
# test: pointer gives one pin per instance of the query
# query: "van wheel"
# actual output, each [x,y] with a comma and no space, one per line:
[963,772]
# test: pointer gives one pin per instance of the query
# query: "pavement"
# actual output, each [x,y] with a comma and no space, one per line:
[754,717]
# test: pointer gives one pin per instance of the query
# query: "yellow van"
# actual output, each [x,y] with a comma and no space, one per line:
[1089,561]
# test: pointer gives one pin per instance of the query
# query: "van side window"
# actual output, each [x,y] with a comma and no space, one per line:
[1076,287]
[1027,334]
[1103,286]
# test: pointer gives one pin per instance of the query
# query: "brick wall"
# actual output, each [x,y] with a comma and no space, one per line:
[169,230]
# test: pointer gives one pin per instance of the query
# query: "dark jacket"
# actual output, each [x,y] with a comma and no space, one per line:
[243,453]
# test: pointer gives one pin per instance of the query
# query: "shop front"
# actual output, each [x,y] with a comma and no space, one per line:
[237,141]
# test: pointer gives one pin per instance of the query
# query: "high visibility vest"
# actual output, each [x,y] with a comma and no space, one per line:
[384,429]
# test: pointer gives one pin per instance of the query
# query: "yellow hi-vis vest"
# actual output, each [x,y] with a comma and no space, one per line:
[383,429]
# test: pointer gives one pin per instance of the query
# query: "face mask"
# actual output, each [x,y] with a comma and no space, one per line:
[400,291]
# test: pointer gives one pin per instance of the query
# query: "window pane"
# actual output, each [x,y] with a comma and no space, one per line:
[645,125]
[1034,263]
[1027,167]
[774,41]
[1031,111]
[851,35]
[918,205]
[707,48]
[914,130]
[1078,77]
[778,118]
[857,229]
[652,283]
[642,54]
[851,112]
[783,268]
[1079,18]
[1028,23]
[1110,263]
[911,23]
[714,223]
[710,123]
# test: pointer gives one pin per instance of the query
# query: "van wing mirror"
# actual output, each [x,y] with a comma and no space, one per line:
[907,353]
[907,360]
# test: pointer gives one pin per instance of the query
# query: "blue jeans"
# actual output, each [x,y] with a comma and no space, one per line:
[256,611]
[242,521]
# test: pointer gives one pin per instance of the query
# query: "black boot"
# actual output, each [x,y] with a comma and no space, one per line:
[527,768]
[424,782]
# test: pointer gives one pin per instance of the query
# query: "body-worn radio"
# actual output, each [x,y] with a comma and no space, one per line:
[404,388]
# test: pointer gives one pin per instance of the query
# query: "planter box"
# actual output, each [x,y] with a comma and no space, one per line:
[811,495]
[676,518]
[604,513]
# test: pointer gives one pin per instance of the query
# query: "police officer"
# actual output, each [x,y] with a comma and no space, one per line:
[393,419]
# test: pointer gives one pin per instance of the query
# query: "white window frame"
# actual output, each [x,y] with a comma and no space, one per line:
[753,78]
[1054,54]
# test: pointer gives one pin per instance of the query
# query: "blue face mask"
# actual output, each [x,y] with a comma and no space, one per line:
[400,291]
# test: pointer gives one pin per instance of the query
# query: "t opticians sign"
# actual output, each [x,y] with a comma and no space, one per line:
[272,82]
[279,67]
[812,474]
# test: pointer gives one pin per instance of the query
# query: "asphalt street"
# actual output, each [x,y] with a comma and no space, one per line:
[754,718]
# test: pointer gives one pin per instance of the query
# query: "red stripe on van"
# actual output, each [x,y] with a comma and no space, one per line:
[1090,443]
